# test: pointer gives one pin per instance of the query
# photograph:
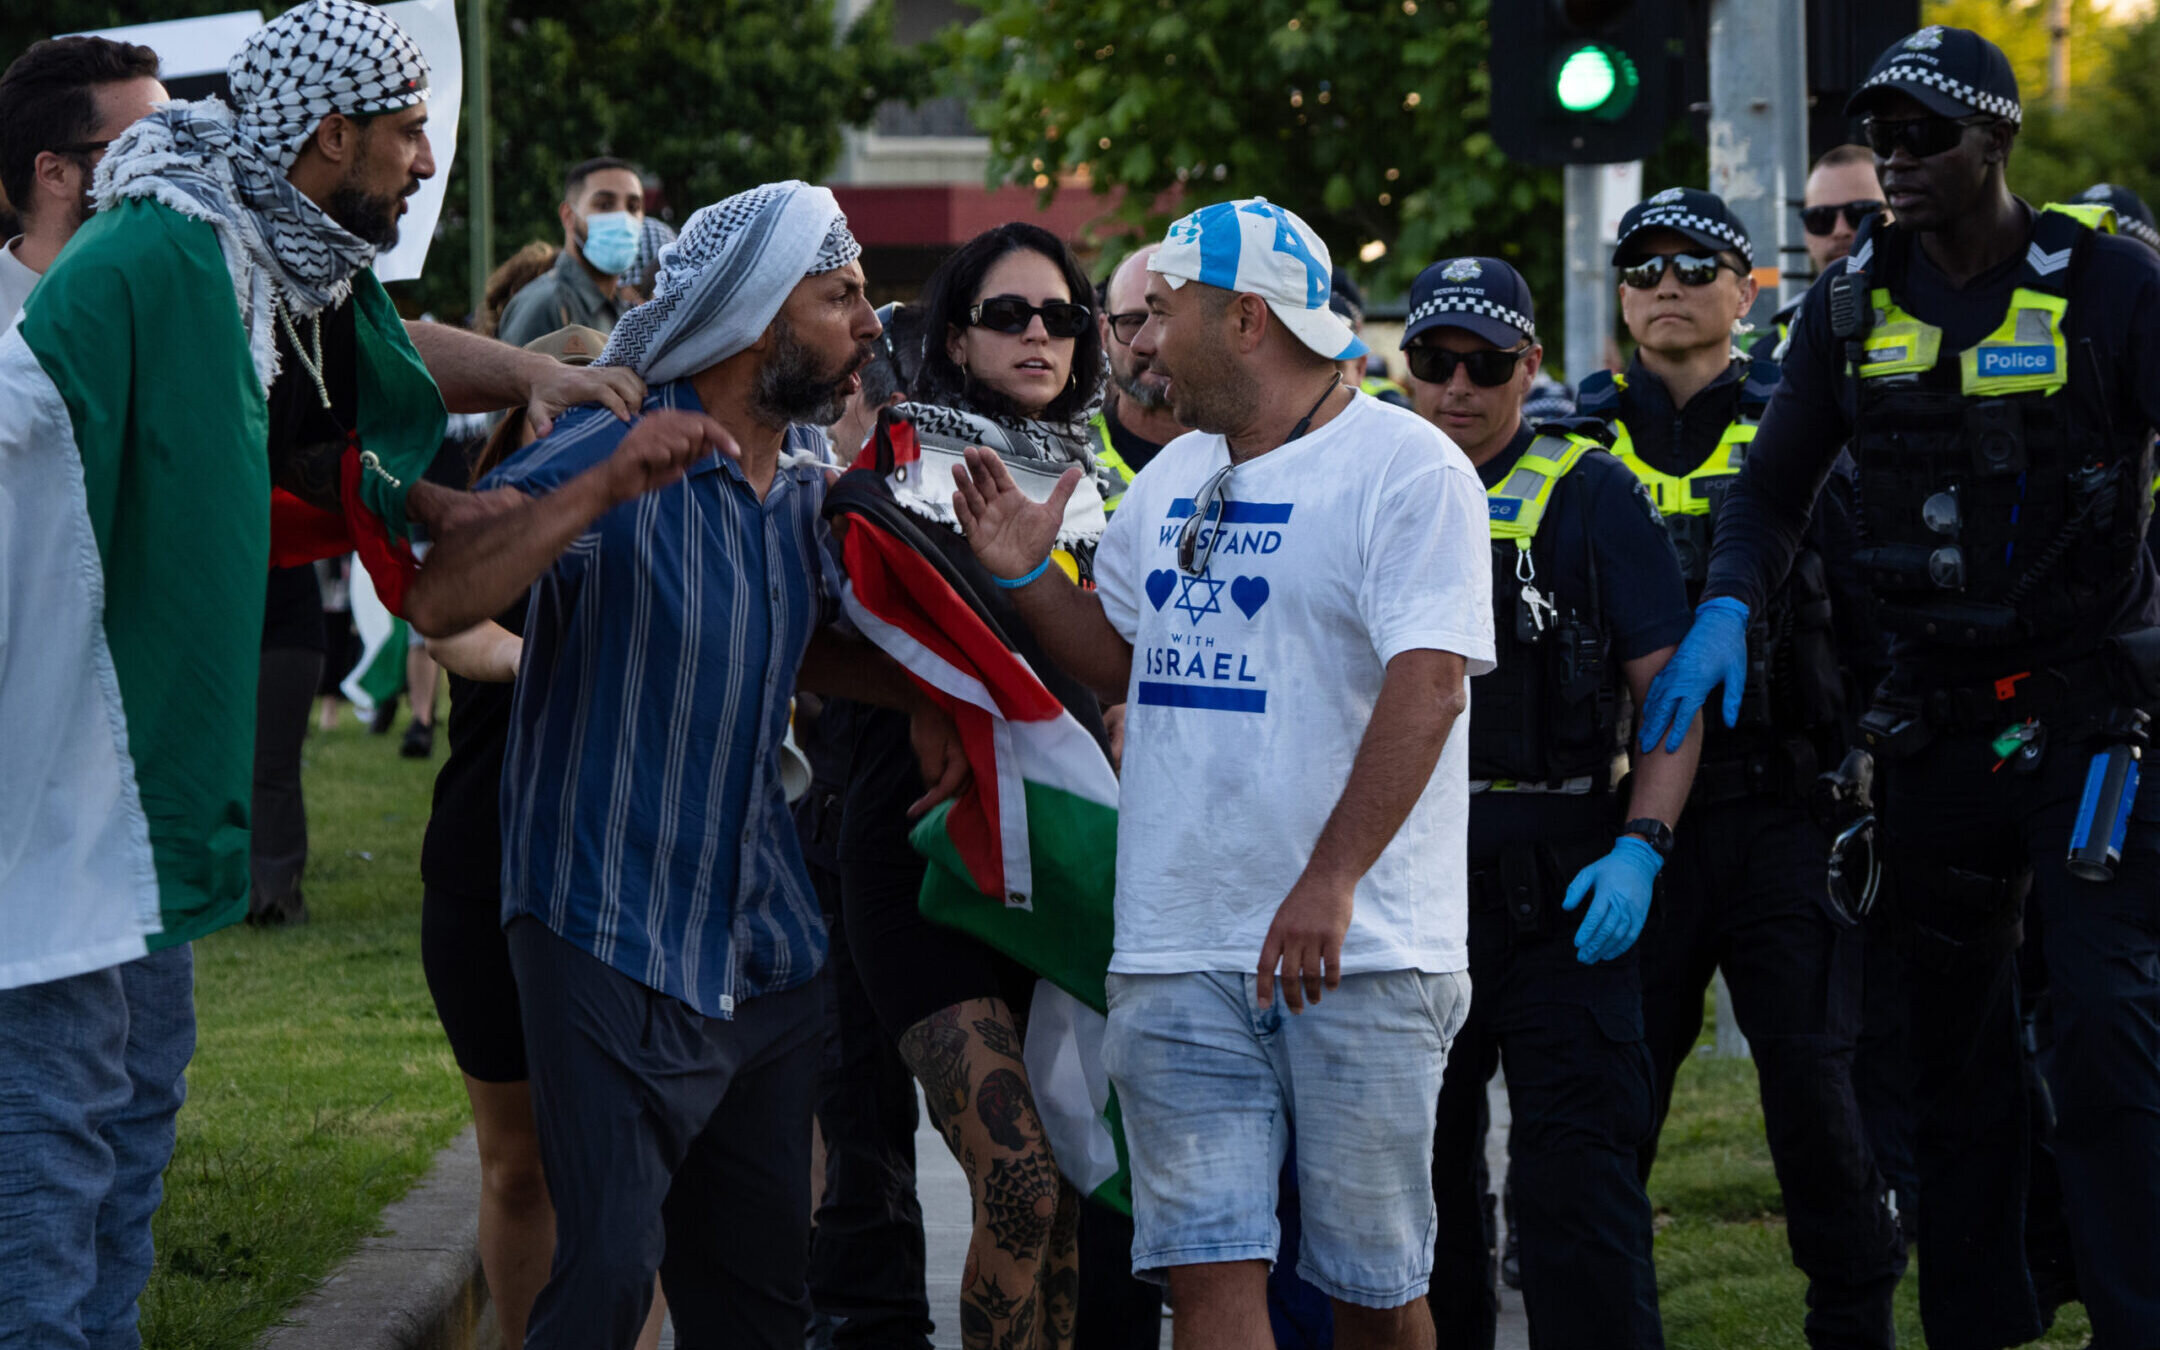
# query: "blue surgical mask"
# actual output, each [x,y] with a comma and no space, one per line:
[611,241]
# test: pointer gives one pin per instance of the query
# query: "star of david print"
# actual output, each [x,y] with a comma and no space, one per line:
[1212,604]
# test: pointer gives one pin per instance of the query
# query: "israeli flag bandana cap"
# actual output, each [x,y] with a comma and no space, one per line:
[1256,247]
[1952,72]
[323,57]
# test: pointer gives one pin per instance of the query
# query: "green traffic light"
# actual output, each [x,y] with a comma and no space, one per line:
[1596,80]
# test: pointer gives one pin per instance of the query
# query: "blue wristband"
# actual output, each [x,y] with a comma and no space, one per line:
[1017,582]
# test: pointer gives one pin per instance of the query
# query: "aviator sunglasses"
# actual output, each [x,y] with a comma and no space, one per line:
[1693,269]
[1011,314]
[1920,137]
[1489,368]
[1820,220]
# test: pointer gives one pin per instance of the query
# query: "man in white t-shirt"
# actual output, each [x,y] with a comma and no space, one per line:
[61,103]
[1289,601]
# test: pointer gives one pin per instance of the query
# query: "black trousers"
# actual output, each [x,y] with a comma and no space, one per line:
[1580,1089]
[672,1142]
[1747,892]
[1945,814]
[867,1259]
[278,839]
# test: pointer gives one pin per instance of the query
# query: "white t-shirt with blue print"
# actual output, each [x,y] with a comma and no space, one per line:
[1252,686]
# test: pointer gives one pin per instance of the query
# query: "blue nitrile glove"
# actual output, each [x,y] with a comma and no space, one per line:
[1714,652]
[1623,880]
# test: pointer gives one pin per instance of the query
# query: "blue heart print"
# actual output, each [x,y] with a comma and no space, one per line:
[1248,594]
[1160,583]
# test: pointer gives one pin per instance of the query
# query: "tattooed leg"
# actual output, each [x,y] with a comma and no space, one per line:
[967,1057]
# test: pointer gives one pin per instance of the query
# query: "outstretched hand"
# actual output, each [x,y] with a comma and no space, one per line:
[1010,532]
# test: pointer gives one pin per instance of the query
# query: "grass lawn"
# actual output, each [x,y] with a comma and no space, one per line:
[322,1087]
[1725,1276]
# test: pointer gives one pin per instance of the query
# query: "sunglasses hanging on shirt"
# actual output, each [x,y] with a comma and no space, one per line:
[1820,220]
[1693,269]
[1489,368]
[1920,137]
[1011,314]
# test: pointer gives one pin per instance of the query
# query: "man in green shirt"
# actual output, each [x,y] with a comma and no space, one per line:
[136,466]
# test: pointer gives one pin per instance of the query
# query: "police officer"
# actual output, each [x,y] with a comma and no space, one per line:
[1749,890]
[1589,604]
[1997,372]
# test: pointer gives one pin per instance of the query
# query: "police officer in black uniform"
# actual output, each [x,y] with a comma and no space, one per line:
[1589,605]
[1996,370]
[1749,890]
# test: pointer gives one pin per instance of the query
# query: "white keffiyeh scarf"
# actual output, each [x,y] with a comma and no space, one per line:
[722,282]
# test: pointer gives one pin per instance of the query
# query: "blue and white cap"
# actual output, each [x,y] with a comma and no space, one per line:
[1256,247]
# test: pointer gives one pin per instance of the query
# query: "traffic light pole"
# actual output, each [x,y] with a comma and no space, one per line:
[1589,282]
[1758,129]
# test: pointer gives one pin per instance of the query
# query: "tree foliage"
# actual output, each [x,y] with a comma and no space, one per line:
[711,95]
[1370,120]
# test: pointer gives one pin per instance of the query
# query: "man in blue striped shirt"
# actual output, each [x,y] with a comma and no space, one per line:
[662,927]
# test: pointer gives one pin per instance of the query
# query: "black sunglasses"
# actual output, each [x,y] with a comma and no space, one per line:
[1125,327]
[1011,314]
[1820,220]
[1693,269]
[1920,137]
[1489,368]
[82,148]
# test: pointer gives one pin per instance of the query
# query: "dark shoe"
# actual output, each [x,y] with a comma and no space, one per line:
[385,717]
[289,912]
[419,741]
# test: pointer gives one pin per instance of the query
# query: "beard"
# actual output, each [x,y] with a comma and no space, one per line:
[1144,394]
[372,219]
[1214,393]
[792,387]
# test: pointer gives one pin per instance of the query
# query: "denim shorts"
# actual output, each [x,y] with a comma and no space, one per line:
[1212,1087]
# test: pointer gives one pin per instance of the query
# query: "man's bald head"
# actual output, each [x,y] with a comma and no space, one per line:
[1127,295]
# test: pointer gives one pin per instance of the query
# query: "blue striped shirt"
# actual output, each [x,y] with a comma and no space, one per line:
[643,817]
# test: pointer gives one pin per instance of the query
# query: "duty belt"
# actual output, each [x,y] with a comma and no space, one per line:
[1781,770]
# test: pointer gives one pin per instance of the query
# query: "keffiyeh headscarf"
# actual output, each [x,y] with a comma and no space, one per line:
[200,159]
[722,282]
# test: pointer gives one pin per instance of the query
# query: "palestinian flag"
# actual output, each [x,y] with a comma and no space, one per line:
[1026,858]
[135,545]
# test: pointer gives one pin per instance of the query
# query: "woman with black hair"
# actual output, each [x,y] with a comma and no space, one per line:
[1009,337]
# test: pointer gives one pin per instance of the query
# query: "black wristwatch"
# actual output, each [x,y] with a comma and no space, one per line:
[1656,833]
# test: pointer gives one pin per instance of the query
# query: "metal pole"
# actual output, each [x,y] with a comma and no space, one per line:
[1589,284]
[2058,20]
[480,200]
[1758,127]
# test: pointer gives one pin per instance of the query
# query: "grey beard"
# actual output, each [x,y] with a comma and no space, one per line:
[790,387]
[1146,397]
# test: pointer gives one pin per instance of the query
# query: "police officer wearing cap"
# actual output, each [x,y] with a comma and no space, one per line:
[1749,889]
[1588,604]
[1996,370]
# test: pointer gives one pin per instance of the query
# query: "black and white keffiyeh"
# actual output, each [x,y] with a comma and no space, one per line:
[1037,450]
[723,280]
[323,57]
[208,163]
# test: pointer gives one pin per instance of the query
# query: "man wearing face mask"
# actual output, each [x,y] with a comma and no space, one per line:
[61,103]
[1748,891]
[1996,370]
[603,220]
